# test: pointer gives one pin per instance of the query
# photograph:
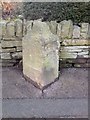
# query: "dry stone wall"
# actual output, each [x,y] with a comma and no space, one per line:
[75,44]
[11,33]
[74,40]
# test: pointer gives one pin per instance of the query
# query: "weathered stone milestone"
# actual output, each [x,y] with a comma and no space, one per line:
[40,54]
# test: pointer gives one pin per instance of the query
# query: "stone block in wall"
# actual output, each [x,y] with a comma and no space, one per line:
[24,27]
[3,28]
[59,27]
[0,48]
[18,48]
[83,53]
[19,28]
[67,54]
[85,65]
[75,42]
[5,56]
[84,30]
[10,29]
[0,11]
[6,50]
[80,42]
[70,49]
[66,42]
[40,55]
[7,44]
[65,65]
[74,48]
[76,32]
[16,55]
[0,30]
[12,39]
[89,32]
[74,52]
[77,60]
[67,29]
[53,26]
[84,35]
[8,63]
[84,27]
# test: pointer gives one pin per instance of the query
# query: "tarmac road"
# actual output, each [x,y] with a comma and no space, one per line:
[66,98]
[73,83]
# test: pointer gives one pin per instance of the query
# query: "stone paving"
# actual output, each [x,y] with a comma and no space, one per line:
[66,98]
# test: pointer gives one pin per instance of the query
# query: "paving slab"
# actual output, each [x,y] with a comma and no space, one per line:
[45,108]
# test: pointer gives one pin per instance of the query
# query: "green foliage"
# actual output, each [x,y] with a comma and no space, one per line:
[77,12]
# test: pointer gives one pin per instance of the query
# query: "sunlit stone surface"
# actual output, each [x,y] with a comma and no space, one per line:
[40,54]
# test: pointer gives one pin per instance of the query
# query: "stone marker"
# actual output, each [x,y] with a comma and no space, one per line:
[40,55]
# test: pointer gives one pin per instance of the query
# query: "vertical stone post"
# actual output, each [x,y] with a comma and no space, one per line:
[40,55]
